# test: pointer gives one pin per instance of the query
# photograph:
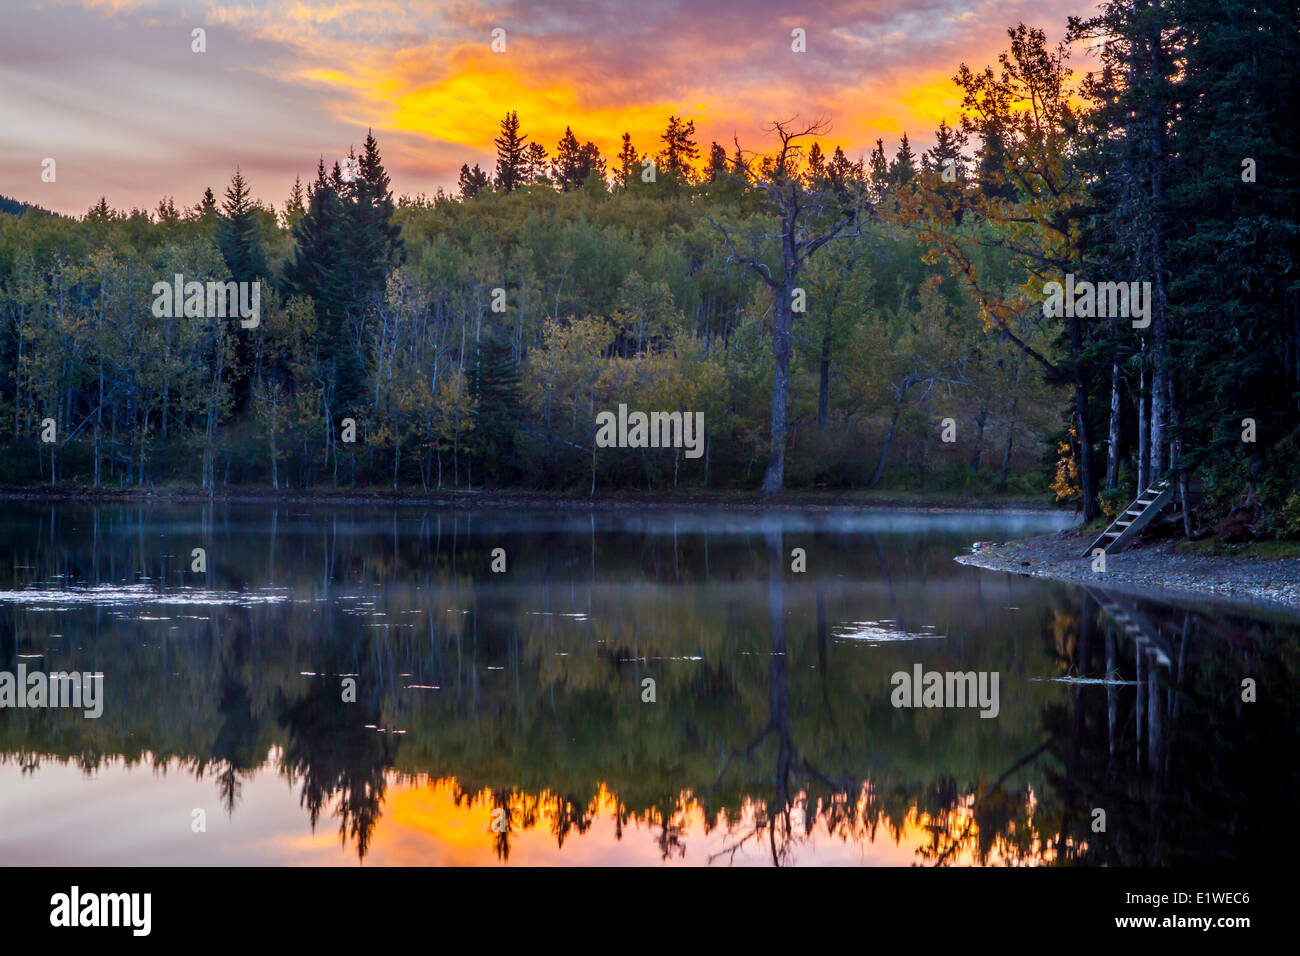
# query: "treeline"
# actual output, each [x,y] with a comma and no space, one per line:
[473,339]
[840,323]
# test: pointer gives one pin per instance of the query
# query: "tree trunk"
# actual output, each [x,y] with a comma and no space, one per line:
[824,380]
[1144,428]
[1087,480]
[1011,438]
[1112,443]
[1159,450]
[889,438]
[774,479]
[980,421]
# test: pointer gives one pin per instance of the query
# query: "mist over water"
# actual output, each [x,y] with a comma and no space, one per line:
[520,696]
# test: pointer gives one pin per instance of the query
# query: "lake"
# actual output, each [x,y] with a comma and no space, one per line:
[335,685]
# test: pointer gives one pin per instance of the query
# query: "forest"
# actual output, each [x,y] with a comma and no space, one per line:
[841,324]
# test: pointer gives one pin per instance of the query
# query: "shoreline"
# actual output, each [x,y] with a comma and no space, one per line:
[1148,570]
[938,503]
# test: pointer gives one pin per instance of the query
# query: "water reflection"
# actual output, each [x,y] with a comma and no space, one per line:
[422,709]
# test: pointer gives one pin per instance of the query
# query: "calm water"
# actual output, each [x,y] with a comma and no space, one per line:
[517,697]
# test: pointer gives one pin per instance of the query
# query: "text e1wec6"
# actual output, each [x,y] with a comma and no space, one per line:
[1156,900]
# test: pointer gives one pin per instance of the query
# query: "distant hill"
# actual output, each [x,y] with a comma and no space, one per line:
[17,208]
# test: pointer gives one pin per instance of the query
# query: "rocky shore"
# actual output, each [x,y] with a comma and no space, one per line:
[1148,569]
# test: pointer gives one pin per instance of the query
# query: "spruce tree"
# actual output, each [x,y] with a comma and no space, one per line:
[903,169]
[494,387]
[238,236]
[376,247]
[574,163]
[511,148]
[680,149]
[318,270]
[471,181]
[240,242]
[629,163]
[536,166]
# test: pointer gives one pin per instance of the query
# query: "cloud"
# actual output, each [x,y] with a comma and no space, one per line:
[111,89]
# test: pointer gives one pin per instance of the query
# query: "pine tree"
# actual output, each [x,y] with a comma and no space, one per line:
[565,169]
[1233,240]
[903,169]
[680,149]
[536,166]
[947,148]
[717,162]
[296,204]
[207,207]
[511,147]
[878,172]
[494,390]
[318,270]
[240,242]
[166,212]
[816,162]
[238,236]
[471,181]
[629,163]
[376,240]
[574,163]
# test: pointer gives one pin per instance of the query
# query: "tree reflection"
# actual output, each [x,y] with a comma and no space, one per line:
[772,738]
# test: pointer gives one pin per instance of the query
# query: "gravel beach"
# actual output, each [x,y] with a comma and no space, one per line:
[1147,568]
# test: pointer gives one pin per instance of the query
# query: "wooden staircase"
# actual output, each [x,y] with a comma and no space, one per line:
[1121,532]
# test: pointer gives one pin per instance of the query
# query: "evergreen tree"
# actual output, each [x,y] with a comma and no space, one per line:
[903,169]
[238,236]
[376,245]
[318,270]
[680,149]
[1233,242]
[574,163]
[240,242]
[166,211]
[536,166]
[296,204]
[629,163]
[511,148]
[878,172]
[947,148]
[816,162]
[494,390]
[717,162]
[207,207]
[471,181]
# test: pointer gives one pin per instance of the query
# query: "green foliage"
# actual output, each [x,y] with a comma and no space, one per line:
[1289,518]
[1114,500]
[388,314]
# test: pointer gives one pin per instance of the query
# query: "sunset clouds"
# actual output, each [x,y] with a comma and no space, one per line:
[112,91]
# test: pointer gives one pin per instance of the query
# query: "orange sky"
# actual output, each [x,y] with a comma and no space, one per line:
[113,91]
[139,815]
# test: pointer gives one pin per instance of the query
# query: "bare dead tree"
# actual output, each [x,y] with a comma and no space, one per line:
[810,211]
